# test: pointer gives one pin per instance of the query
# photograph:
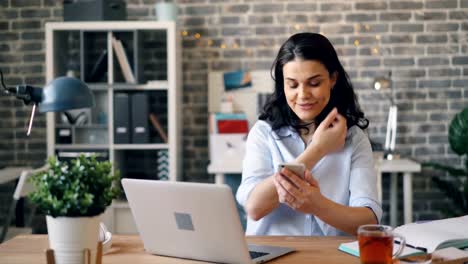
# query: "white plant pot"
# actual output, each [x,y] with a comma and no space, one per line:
[70,236]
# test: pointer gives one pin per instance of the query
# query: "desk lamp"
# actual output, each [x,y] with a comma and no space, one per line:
[383,83]
[63,93]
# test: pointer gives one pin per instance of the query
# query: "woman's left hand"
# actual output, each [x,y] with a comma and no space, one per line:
[298,193]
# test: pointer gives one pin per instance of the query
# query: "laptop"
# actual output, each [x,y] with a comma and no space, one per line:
[193,221]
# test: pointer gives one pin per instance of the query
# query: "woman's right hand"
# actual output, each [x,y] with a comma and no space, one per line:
[330,135]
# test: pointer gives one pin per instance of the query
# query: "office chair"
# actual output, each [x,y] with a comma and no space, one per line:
[22,189]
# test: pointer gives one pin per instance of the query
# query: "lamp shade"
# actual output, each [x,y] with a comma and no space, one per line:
[65,93]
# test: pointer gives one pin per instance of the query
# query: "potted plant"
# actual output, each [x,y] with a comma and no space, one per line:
[73,195]
[455,184]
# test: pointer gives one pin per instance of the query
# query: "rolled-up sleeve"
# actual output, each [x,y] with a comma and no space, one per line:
[257,163]
[363,176]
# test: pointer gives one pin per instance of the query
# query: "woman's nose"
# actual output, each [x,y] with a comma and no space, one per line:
[303,92]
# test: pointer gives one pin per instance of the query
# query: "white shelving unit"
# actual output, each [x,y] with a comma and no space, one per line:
[153,50]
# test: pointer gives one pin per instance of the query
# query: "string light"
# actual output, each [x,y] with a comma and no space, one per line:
[197,35]
[184,33]
[297,27]
[375,50]
[356,42]
[223,46]
[377,37]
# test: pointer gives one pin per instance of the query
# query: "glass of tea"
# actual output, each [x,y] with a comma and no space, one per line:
[376,244]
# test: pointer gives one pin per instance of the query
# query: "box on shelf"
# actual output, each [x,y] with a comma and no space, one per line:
[94,10]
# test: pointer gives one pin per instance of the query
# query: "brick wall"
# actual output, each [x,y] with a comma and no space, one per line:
[423,42]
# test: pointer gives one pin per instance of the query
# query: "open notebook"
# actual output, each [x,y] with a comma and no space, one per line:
[426,237]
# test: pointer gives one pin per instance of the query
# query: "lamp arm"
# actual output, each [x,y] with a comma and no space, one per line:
[28,94]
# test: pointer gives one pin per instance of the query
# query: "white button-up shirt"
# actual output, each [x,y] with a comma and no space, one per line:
[347,177]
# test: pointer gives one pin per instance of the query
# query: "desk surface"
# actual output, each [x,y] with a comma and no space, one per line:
[129,249]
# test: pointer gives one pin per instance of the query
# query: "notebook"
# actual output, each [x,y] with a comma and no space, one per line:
[426,237]
[193,221]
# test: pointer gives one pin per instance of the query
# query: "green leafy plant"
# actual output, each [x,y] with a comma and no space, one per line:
[83,187]
[455,186]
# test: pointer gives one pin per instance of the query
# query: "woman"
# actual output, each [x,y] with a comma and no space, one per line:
[313,118]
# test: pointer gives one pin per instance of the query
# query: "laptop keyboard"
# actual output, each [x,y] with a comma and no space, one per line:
[255,254]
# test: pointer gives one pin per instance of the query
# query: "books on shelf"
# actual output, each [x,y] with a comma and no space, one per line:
[158,127]
[426,237]
[123,60]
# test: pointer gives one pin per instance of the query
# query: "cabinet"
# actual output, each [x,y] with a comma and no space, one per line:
[121,127]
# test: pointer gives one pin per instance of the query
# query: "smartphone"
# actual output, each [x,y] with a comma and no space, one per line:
[297,168]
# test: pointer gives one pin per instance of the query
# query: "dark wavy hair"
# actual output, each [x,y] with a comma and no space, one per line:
[311,46]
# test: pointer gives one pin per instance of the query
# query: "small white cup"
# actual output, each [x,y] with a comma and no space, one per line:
[166,11]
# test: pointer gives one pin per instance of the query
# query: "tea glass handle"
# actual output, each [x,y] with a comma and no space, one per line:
[402,245]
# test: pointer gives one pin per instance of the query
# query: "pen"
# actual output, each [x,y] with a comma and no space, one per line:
[411,246]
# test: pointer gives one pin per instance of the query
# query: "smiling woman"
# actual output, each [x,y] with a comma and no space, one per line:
[313,118]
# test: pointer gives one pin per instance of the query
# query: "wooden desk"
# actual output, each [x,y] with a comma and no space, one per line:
[129,249]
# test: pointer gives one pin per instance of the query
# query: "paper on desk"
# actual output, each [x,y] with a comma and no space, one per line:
[353,249]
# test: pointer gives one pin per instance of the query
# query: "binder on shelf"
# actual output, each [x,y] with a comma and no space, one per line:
[121,118]
[139,105]
[158,127]
[123,60]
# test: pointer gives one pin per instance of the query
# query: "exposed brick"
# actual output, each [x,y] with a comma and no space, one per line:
[270,30]
[361,17]
[25,3]
[237,31]
[319,18]
[303,7]
[408,50]
[460,60]
[408,5]
[371,6]
[407,27]
[445,49]
[335,7]
[444,27]
[460,83]
[237,8]
[194,21]
[256,19]
[445,94]
[334,29]
[444,72]
[399,62]
[396,39]
[292,19]
[434,84]
[395,16]
[458,15]
[200,10]
[431,39]
[437,4]
[35,13]
[25,24]
[430,15]
[433,61]
[268,8]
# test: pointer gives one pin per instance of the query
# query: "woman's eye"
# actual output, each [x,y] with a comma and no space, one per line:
[315,84]
[292,85]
